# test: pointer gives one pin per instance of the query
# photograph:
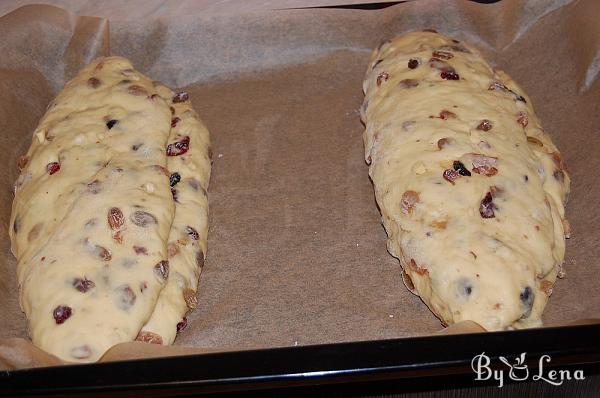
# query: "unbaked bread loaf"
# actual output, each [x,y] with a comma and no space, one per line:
[93,209]
[471,189]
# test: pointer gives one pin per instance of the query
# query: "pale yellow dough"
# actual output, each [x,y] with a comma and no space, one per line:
[490,258]
[93,210]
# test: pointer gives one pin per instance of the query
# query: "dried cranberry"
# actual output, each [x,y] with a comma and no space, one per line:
[450,175]
[449,75]
[174,122]
[419,270]
[83,285]
[442,54]
[52,168]
[179,147]
[458,166]
[409,200]
[93,82]
[485,125]
[382,77]
[115,218]
[192,233]
[523,119]
[62,313]
[174,179]
[161,270]
[443,142]
[142,218]
[140,250]
[413,63]
[103,253]
[486,208]
[180,97]
[111,123]
[484,165]
[182,325]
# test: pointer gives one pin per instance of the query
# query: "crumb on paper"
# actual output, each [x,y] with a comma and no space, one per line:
[391,315]
[220,155]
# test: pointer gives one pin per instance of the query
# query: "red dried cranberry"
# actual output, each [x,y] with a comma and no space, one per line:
[192,233]
[180,97]
[61,313]
[174,179]
[179,147]
[161,270]
[53,167]
[449,75]
[174,121]
[450,175]
[83,285]
[382,77]
[115,218]
[409,201]
[486,208]
[103,253]
[485,125]
[413,63]
[523,119]
[182,325]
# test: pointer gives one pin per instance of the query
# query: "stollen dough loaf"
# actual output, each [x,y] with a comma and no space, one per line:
[93,210]
[470,188]
[189,177]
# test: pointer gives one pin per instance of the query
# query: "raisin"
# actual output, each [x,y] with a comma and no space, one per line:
[22,162]
[442,142]
[408,83]
[61,313]
[485,125]
[527,297]
[135,147]
[523,119]
[137,90]
[180,97]
[83,285]
[200,259]
[111,123]
[174,122]
[142,218]
[93,82]
[486,208]
[409,200]
[179,147]
[115,218]
[190,298]
[81,352]
[174,179]
[94,186]
[382,77]
[419,270]
[149,337]
[484,165]
[125,298]
[192,233]
[52,168]
[140,250]
[182,325]
[161,270]
[413,63]
[442,54]
[103,253]
[449,75]
[458,166]
[450,175]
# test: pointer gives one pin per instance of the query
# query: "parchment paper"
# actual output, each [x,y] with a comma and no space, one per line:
[296,250]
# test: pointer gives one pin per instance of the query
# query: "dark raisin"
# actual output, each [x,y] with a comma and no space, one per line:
[111,123]
[174,122]
[192,233]
[485,125]
[462,170]
[93,82]
[526,178]
[527,297]
[182,325]
[523,119]
[125,298]
[413,63]
[142,218]
[449,75]
[180,97]
[174,179]
[115,218]
[161,270]
[140,250]
[450,175]
[382,77]
[83,285]
[52,168]
[179,147]
[486,208]
[61,313]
